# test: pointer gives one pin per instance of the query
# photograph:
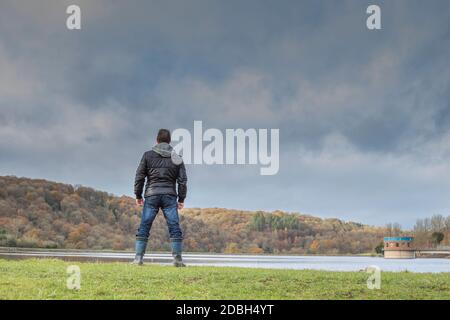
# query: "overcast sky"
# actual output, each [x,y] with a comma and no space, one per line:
[363,115]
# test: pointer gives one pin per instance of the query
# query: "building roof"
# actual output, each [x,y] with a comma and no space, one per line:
[398,238]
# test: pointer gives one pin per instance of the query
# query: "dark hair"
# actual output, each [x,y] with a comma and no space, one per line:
[163,136]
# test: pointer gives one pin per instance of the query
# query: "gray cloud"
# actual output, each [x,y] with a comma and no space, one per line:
[363,115]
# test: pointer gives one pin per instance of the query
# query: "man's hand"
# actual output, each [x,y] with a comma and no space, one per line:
[180,205]
[140,202]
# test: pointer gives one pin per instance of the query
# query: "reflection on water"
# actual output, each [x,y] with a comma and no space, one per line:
[332,263]
[323,263]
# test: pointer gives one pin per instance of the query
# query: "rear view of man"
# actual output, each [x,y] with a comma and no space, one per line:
[163,169]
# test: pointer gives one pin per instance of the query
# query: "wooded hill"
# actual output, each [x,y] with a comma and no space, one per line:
[40,213]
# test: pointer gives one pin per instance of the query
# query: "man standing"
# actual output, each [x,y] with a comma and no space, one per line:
[163,169]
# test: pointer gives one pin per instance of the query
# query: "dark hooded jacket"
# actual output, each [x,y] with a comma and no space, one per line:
[163,169]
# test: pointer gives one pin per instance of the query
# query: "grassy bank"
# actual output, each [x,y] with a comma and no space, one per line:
[46,279]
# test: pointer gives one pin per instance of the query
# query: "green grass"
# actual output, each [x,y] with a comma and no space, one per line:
[46,279]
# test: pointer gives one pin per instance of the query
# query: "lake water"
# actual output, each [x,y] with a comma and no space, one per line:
[332,263]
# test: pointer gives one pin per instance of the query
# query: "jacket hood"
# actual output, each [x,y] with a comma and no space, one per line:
[164,149]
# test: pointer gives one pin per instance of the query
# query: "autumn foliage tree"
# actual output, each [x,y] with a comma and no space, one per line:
[40,213]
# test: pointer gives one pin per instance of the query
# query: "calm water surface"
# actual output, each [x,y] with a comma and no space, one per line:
[331,263]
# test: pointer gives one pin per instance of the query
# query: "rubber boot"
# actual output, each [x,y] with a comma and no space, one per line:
[141,245]
[177,248]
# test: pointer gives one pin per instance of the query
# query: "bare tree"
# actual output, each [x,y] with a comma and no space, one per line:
[437,223]
[394,229]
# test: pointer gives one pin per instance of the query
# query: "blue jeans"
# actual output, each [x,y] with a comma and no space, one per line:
[168,204]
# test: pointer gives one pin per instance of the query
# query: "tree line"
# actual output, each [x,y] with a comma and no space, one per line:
[40,213]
